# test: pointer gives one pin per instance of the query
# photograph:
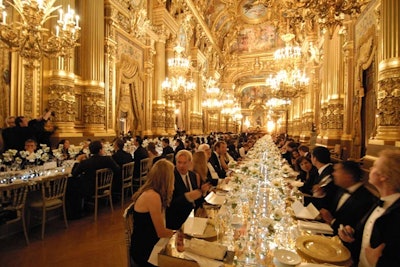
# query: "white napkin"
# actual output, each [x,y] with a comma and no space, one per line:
[203,261]
[161,244]
[310,212]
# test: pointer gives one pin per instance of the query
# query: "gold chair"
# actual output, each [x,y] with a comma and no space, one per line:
[53,197]
[13,199]
[103,188]
[143,170]
[127,176]
[128,218]
[170,157]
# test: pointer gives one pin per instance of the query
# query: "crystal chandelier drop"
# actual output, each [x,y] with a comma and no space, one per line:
[30,38]
[288,84]
[288,52]
[176,87]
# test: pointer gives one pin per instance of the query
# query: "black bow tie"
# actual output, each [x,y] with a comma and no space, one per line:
[380,203]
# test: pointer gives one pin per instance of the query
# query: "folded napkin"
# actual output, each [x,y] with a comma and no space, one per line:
[161,244]
[316,227]
[207,249]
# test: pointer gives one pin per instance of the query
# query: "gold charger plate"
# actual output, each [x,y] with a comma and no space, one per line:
[322,249]
[209,232]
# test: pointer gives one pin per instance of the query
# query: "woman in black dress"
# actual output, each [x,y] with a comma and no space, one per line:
[148,212]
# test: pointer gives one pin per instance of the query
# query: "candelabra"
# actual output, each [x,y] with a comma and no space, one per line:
[30,38]
[212,104]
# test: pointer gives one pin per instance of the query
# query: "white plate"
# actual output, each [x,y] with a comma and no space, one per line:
[287,257]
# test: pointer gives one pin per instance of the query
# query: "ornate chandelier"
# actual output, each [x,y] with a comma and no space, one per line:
[30,38]
[212,104]
[288,84]
[177,87]
[289,52]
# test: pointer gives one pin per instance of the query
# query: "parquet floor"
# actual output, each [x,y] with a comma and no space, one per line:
[85,243]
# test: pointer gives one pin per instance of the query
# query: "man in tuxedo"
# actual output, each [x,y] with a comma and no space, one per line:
[167,149]
[219,160]
[376,240]
[121,157]
[187,196]
[324,189]
[83,181]
[352,200]
[139,154]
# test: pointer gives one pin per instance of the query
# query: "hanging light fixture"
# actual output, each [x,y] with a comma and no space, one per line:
[212,103]
[177,87]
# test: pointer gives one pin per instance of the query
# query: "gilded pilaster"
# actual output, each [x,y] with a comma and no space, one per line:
[94,96]
[388,96]
[159,108]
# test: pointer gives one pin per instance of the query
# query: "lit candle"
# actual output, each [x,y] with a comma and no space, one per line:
[4,17]
[1,2]
[57,30]
[61,14]
[69,8]
[77,21]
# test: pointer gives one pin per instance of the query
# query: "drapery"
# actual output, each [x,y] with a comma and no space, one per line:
[128,74]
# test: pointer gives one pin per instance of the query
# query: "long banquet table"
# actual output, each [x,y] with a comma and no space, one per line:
[256,218]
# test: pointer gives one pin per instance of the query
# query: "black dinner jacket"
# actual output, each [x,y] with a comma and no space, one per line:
[180,208]
[167,150]
[386,230]
[121,157]
[139,154]
[354,209]
[327,171]
[86,169]
[217,167]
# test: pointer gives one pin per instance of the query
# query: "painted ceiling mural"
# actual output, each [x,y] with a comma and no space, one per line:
[253,95]
[243,27]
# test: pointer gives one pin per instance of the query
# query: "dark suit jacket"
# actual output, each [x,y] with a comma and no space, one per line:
[86,171]
[386,230]
[167,150]
[180,208]
[217,167]
[139,154]
[121,157]
[354,209]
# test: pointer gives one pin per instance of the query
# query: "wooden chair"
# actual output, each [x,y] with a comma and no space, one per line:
[53,197]
[103,188]
[143,170]
[127,182]
[128,219]
[170,157]
[13,199]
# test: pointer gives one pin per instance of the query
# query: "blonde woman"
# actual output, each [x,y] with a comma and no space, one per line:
[151,200]
[200,167]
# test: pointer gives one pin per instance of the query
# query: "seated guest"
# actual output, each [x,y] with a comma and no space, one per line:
[151,200]
[219,160]
[287,151]
[64,144]
[179,145]
[83,181]
[243,150]
[233,150]
[352,201]
[324,189]
[167,149]
[121,157]
[294,156]
[376,240]
[308,174]
[139,154]
[212,175]
[152,152]
[187,195]
[199,167]
[304,151]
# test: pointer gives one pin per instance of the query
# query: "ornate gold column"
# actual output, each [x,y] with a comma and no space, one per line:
[159,110]
[169,104]
[148,94]
[94,104]
[388,95]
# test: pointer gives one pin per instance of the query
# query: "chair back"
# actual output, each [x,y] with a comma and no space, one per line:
[54,188]
[170,157]
[103,181]
[143,170]
[127,174]
[13,198]
[128,218]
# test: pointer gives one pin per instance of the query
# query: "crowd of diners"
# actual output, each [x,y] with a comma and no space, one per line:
[365,217]
[363,212]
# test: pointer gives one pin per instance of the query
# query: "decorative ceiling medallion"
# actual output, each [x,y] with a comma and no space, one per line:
[253,11]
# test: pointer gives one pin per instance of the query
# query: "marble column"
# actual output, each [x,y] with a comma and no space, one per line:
[388,95]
